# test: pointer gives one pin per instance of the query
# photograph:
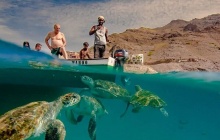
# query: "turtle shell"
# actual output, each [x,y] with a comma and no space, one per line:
[111,88]
[89,106]
[147,98]
[21,122]
[43,65]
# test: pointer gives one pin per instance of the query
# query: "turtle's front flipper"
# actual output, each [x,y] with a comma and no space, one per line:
[164,112]
[80,118]
[55,131]
[123,114]
[70,116]
[92,128]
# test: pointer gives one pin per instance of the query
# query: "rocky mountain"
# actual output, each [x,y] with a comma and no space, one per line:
[178,46]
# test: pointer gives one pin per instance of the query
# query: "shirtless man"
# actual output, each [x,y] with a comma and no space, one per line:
[58,42]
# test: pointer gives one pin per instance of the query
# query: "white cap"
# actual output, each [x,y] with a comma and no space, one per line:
[101,17]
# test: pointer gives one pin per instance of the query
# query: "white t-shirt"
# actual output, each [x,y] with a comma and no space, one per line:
[100,38]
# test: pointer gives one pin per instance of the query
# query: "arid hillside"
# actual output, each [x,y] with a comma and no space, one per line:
[178,46]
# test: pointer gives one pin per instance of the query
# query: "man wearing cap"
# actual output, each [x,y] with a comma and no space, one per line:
[101,37]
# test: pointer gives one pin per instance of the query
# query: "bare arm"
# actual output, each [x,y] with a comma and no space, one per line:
[47,38]
[64,40]
[94,29]
[106,35]
[87,53]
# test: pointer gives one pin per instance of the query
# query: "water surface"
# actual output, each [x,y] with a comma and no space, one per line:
[193,98]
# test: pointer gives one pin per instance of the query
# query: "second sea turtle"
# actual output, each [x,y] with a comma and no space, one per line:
[88,106]
[106,89]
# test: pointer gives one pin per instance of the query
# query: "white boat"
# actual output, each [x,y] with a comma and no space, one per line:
[102,61]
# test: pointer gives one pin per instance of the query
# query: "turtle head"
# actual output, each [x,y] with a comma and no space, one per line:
[137,87]
[70,99]
[88,81]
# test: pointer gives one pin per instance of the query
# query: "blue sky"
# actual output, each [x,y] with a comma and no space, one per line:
[31,20]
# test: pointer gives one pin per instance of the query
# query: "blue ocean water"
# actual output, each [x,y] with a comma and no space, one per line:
[193,98]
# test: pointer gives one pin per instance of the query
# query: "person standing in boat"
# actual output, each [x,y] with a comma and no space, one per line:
[58,42]
[84,51]
[101,37]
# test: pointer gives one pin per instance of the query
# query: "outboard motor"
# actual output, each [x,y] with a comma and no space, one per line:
[120,56]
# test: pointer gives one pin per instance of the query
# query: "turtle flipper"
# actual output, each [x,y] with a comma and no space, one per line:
[123,114]
[164,112]
[70,116]
[55,131]
[102,106]
[92,128]
[80,118]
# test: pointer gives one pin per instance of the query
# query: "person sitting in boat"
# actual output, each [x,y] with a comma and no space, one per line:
[84,51]
[38,47]
[26,45]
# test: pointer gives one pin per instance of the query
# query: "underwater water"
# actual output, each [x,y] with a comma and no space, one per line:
[193,98]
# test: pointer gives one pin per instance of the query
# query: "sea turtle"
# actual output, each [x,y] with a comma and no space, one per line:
[36,118]
[37,65]
[43,65]
[105,89]
[146,98]
[88,106]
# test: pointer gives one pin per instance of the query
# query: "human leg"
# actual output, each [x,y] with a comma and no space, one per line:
[96,51]
[101,51]
[63,51]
